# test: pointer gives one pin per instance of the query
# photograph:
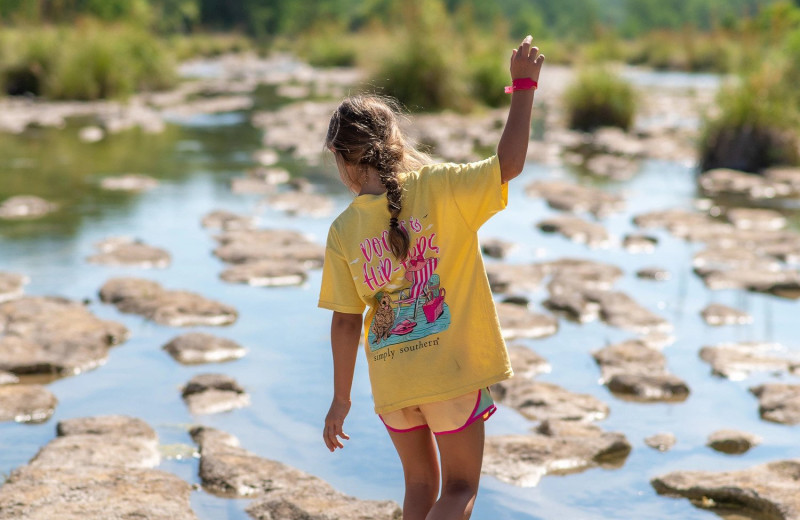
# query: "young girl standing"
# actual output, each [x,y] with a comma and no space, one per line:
[406,249]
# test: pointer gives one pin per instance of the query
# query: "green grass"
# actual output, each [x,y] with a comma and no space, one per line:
[599,98]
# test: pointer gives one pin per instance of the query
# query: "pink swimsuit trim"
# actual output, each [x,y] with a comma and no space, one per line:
[473,416]
[396,430]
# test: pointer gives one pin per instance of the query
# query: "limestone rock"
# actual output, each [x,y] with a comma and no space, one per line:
[514,277]
[661,441]
[25,206]
[555,447]
[227,221]
[11,285]
[732,442]
[736,360]
[260,181]
[26,403]
[526,363]
[301,203]
[657,274]
[197,347]
[765,491]
[495,247]
[7,378]
[756,219]
[717,314]
[576,198]
[577,230]
[539,401]
[124,251]
[620,310]
[778,402]
[174,308]
[266,273]
[129,182]
[239,247]
[639,243]
[214,393]
[517,321]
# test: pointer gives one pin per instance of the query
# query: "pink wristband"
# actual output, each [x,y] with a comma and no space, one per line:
[522,84]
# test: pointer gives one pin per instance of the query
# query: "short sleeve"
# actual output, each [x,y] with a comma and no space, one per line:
[478,190]
[338,291]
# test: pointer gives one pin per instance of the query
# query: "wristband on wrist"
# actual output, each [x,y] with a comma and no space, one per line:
[522,84]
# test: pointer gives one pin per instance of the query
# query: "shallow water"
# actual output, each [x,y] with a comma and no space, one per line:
[288,370]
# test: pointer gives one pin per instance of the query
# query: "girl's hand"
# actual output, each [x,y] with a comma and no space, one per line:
[526,62]
[333,424]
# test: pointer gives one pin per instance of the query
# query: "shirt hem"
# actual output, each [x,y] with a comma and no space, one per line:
[443,396]
[340,308]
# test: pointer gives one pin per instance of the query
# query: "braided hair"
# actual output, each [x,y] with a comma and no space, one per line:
[364,131]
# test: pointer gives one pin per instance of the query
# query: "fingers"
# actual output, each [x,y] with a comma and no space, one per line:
[331,436]
[540,59]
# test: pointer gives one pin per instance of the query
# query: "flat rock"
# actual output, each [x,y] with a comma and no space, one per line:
[227,221]
[566,298]
[661,441]
[240,247]
[679,222]
[724,181]
[555,447]
[723,259]
[658,274]
[589,274]
[778,402]
[612,167]
[783,283]
[261,181]
[24,207]
[129,182]
[90,450]
[125,251]
[717,314]
[47,335]
[539,401]
[496,247]
[756,219]
[620,310]
[214,393]
[284,492]
[198,347]
[764,491]
[91,134]
[566,196]
[7,378]
[736,360]
[635,243]
[174,308]
[109,425]
[576,229]
[11,285]
[527,363]
[504,277]
[26,403]
[266,157]
[516,321]
[732,442]
[301,203]
[266,273]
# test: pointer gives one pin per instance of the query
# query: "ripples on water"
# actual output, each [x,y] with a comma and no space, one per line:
[287,370]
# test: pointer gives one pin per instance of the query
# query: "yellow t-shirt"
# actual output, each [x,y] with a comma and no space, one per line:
[431,329]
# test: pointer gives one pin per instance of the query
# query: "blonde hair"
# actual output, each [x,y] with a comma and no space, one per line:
[364,131]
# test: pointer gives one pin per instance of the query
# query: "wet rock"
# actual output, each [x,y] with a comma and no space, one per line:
[53,335]
[7,378]
[588,274]
[575,198]
[25,206]
[757,219]
[555,447]
[661,441]
[539,401]
[26,403]
[620,310]
[679,222]
[517,277]
[723,181]
[764,491]
[11,285]
[527,363]
[634,370]
[783,283]
[129,182]
[260,181]
[732,442]
[657,274]
[284,492]
[125,251]
[639,243]
[301,203]
[717,314]
[517,321]
[736,360]
[496,248]
[715,260]
[214,393]
[778,402]
[611,167]
[240,247]
[91,134]
[566,297]
[174,308]
[266,273]
[227,221]
[112,425]
[198,347]
[577,230]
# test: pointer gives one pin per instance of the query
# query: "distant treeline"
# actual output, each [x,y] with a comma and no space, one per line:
[266,18]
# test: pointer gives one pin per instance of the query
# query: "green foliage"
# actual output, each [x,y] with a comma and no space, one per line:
[598,98]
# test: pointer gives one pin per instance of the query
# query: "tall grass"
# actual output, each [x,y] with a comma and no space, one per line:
[598,97]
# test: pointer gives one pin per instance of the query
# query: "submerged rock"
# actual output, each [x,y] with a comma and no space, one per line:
[125,251]
[98,467]
[555,447]
[11,285]
[736,360]
[516,321]
[25,206]
[197,347]
[732,442]
[129,182]
[764,491]
[661,441]
[46,335]
[174,308]
[539,401]
[26,403]
[575,198]
[266,273]
[282,491]
[577,230]
[214,393]
[717,314]
[778,402]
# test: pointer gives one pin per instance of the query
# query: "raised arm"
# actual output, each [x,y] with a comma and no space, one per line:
[526,62]
[345,335]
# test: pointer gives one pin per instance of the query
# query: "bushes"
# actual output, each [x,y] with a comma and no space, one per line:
[599,98]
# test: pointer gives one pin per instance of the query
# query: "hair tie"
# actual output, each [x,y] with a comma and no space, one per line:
[393,222]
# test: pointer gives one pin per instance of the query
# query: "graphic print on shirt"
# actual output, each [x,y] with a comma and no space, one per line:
[415,307]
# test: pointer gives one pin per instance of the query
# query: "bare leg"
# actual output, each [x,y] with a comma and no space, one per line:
[421,470]
[462,457]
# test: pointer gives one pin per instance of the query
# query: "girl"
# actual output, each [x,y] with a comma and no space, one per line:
[406,248]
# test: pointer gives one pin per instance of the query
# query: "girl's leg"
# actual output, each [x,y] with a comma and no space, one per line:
[462,457]
[421,470]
